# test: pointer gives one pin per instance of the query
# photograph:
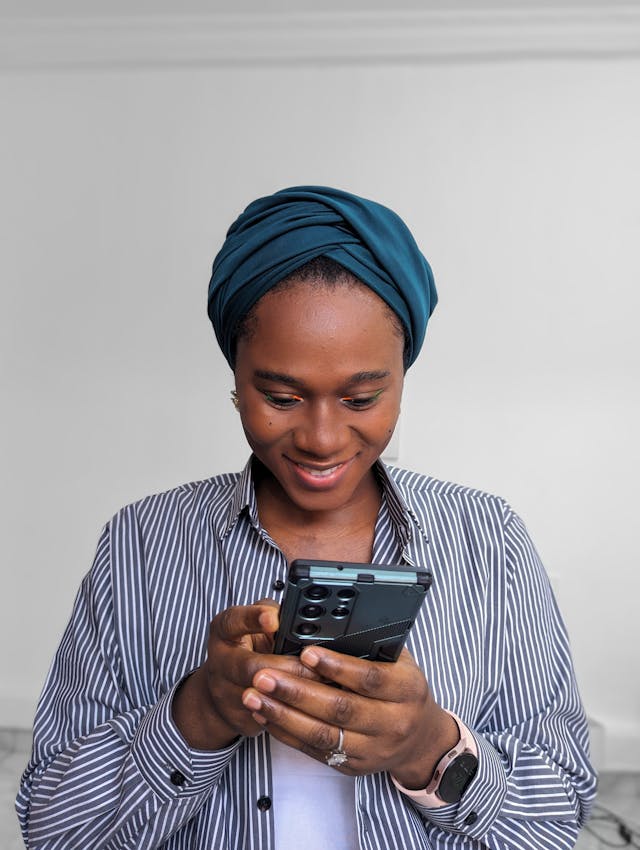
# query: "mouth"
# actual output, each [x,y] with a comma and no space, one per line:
[315,476]
[319,472]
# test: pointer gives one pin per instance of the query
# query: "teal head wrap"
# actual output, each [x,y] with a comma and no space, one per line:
[277,234]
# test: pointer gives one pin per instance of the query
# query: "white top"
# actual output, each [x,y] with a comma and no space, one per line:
[313,804]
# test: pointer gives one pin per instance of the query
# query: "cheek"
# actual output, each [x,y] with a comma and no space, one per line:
[259,431]
[379,431]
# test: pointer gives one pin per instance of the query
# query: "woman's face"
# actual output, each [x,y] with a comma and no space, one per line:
[319,380]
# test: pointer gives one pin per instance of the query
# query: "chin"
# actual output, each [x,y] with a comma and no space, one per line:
[319,498]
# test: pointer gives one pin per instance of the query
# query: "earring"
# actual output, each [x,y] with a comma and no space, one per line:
[235,401]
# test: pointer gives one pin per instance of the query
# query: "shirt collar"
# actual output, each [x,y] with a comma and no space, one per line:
[244,499]
[399,511]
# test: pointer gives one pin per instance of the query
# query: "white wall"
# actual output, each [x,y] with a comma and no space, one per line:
[520,179]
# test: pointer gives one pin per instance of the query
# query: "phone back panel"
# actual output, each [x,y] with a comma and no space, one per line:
[364,610]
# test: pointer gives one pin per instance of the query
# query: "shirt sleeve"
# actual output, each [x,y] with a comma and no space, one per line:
[106,772]
[535,785]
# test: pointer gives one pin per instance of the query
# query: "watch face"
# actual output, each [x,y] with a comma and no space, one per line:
[457,777]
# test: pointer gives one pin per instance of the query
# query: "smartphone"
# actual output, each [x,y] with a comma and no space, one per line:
[364,610]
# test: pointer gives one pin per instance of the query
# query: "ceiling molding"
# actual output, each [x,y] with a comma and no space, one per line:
[309,37]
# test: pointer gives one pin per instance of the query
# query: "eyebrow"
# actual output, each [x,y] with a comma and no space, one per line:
[289,380]
[365,377]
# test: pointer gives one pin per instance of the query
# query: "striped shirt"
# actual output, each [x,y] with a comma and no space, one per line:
[110,769]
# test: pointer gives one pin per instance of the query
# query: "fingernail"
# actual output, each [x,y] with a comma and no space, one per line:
[265,682]
[252,702]
[268,621]
[310,657]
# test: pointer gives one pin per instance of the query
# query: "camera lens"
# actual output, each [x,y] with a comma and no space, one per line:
[316,591]
[312,611]
[340,611]
[306,629]
[346,593]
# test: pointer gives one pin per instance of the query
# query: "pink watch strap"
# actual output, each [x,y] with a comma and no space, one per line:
[428,796]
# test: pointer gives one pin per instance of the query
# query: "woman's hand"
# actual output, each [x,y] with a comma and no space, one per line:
[208,708]
[390,720]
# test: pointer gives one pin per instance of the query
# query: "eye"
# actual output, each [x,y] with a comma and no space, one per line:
[282,401]
[359,402]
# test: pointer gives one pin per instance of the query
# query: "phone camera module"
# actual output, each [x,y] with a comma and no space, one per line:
[306,629]
[346,593]
[312,612]
[340,611]
[316,591]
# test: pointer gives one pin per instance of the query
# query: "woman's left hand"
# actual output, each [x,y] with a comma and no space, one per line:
[390,720]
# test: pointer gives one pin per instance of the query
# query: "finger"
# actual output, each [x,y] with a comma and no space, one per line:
[312,736]
[241,664]
[381,680]
[270,602]
[270,618]
[235,623]
[313,698]
[263,644]
[352,767]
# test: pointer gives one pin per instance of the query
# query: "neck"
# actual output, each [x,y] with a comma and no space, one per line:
[344,532]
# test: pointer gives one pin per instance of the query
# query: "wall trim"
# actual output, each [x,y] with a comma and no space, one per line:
[605,31]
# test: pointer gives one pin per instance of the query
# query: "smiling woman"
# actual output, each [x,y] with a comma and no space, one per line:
[475,736]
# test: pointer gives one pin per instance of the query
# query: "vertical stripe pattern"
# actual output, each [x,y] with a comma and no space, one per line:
[489,639]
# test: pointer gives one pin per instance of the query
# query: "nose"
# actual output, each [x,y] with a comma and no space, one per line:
[322,432]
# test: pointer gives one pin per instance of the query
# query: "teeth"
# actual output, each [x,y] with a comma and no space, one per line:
[318,473]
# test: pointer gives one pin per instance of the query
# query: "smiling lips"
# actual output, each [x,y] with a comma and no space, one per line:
[318,477]
[319,473]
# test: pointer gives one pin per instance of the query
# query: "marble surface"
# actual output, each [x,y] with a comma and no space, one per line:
[15,747]
[618,792]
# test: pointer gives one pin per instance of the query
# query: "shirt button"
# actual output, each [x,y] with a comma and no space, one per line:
[470,819]
[177,778]
[264,803]
[278,585]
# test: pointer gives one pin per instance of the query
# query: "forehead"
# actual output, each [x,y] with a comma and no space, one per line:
[323,326]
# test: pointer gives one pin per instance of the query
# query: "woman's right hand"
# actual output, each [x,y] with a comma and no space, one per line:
[207,707]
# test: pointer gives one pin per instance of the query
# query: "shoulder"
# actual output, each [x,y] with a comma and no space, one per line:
[425,494]
[420,484]
[195,500]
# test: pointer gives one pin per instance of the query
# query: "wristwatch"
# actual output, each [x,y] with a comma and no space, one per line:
[454,771]
[452,774]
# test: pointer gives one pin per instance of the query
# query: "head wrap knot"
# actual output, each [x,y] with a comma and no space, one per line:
[277,234]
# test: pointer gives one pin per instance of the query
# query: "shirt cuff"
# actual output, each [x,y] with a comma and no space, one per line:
[165,760]
[482,801]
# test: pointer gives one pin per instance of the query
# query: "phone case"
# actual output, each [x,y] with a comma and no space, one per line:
[364,610]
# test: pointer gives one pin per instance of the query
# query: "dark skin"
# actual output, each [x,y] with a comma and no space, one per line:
[319,381]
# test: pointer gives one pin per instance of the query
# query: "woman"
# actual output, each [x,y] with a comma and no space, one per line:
[167,721]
